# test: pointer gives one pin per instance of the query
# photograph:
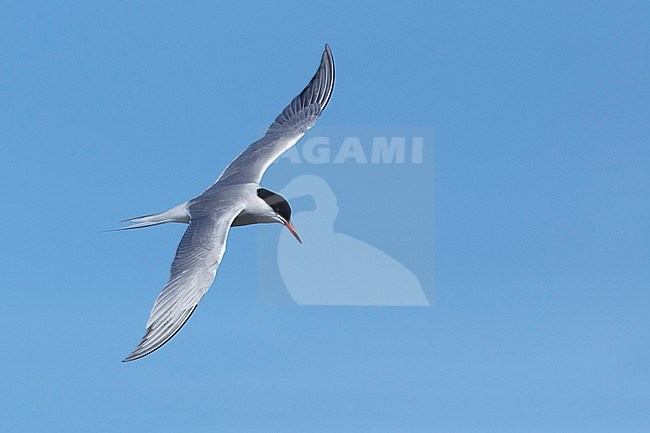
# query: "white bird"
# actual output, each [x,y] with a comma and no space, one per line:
[235,199]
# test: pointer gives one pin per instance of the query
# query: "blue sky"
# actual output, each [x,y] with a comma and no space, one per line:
[540,318]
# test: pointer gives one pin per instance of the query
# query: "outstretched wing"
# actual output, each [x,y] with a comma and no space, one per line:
[294,121]
[193,270]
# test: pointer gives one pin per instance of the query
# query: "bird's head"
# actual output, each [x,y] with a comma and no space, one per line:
[279,210]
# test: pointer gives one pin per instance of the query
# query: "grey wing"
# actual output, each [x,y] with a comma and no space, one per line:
[193,270]
[294,121]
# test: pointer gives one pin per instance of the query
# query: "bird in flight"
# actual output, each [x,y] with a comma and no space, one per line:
[235,199]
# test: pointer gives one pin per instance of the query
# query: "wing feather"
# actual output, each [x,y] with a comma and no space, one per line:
[290,125]
[192,272]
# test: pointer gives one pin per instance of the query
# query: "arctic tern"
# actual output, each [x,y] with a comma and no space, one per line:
[235,199]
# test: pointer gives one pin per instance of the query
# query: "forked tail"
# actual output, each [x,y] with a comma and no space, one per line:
[178,214]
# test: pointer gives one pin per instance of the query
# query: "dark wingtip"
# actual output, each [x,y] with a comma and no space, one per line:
[327,62]
[327,54]
[142,350]
[317,93]
[132,357]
